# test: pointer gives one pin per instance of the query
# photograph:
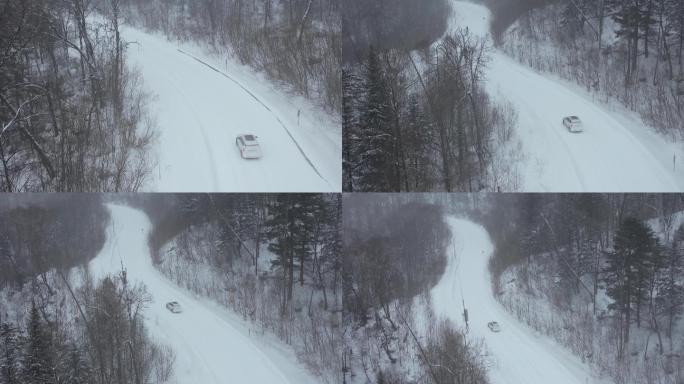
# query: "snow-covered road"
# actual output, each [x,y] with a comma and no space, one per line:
[209,347]
[200,109]
[518,354]
[614,154]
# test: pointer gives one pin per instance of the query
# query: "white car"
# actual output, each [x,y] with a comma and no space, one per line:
[174,307]
[573,124]
[248,146]
[494,326]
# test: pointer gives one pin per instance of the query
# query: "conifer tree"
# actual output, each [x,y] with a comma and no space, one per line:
[635,20]
[630,267]
[376,147]
[37,367]
[331,251]
[350,125]
[77,370]
[283,229]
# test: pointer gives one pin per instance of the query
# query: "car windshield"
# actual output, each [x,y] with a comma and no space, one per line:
[250,138]
[574,118]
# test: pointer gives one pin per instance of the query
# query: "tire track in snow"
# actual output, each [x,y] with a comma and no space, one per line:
[629,136]
[619,128]
[229,77]
[520,355]
[610,156]
[566,148]
[171,78]
[209,347]
[203,133]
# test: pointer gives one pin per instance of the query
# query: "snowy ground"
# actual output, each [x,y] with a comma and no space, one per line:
[202,103]
[211,346]
[532,301]
[518,354]
[616,153]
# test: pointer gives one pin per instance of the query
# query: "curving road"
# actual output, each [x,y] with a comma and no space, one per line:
[209,348]
[614,154]
[199,112]
[517,354]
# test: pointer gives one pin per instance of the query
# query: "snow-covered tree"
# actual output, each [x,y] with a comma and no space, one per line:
[38,364]
[376,141]
[630,267]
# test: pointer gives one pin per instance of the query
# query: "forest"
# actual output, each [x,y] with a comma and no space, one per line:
[394,251]
[429,106]
[390,252]
[348,282]
[629,52]
[602,274]
[57,324]
[415,114]
[294,42]
[273,259]
[73,116]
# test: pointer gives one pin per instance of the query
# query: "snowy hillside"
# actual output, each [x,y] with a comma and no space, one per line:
[560,271]
[457,113]
[523,288]
[616,152]
[81,295]
[517,354]
[202,103]
[209,346]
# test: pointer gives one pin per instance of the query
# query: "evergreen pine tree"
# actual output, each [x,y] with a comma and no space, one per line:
[331,252]
[351,94]
[630,267]
[313,216]
[294,226]
[635,20]
[377,147]
[282,227]
[76,367]
[37,366]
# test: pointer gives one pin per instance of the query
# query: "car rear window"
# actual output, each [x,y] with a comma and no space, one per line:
[250,138]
